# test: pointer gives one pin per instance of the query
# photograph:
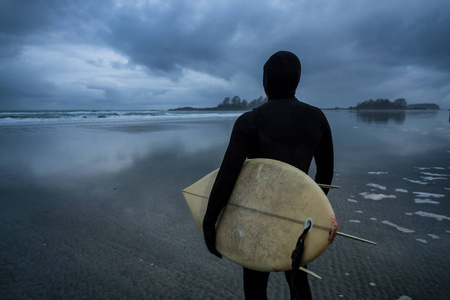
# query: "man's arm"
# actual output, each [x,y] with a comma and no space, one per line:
[237,152]
[324,159]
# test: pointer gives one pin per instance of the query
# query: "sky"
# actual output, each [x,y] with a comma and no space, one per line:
[151,54]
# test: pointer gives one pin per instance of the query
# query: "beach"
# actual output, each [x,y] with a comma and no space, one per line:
[93,209]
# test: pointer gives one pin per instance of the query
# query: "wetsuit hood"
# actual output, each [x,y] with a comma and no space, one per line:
[281,75]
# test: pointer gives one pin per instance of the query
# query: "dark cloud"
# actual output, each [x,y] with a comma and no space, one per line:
[413,34]
[38,22]
[21,18]
[199,52]
[20,88]
[181,34]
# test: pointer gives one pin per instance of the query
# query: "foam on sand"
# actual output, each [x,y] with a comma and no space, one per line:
[425,201]
[416,181]
[378,186]
[431,178]
[429,168]
[402,229]
[426,195]
[377,197]
[431,215]
[434,174]
[428,176]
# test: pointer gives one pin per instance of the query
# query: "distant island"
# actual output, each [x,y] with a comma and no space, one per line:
[236,104]
[233,104]
[400,103]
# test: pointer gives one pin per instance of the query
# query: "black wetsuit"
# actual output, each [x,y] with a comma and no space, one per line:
[284,129]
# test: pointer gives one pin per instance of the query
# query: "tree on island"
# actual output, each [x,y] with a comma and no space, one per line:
[228,104]
[400,103]
[236,104]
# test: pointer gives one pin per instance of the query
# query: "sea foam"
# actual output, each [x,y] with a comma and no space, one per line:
[427,201]
[426,195]
[378,186]
[434,174]
[416,181]
[377,197]
[402,229]
[431,215]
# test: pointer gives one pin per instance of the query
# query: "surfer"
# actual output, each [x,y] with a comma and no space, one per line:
[284,129]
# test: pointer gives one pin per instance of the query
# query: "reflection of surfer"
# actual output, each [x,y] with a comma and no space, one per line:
[284,129]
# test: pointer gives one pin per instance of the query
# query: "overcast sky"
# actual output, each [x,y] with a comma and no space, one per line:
[118,54]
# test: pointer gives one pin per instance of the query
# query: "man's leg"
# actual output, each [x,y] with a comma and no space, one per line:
[301,290]
[255,284]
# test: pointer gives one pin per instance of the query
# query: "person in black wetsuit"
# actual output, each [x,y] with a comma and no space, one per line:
[284,129]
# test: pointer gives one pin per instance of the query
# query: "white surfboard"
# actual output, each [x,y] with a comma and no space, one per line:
[266,214]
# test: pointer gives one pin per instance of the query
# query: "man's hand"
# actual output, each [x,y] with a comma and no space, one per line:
[209,234]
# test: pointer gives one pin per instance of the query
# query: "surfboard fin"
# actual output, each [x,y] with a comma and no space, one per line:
[310,272]
[328,186]
[355,238]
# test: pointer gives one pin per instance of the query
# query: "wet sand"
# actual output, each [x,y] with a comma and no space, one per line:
[96,212]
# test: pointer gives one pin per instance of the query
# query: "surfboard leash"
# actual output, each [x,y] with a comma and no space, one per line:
[297,257]
[298,251]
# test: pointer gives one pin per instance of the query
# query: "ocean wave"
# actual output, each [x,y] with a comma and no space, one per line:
[84,116]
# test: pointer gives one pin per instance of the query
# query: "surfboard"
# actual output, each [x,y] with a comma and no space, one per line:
[265,215]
